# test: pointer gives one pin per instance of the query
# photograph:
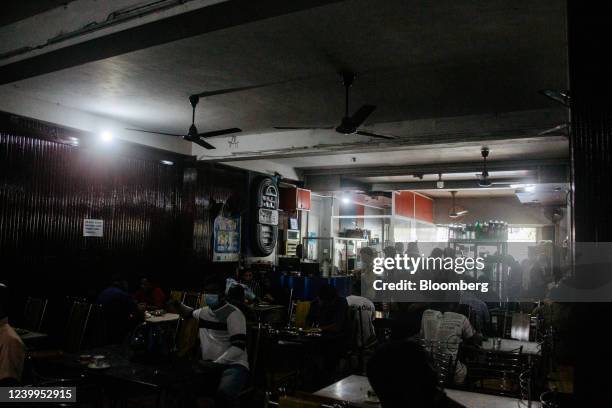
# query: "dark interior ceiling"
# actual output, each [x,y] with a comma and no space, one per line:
[15,10]
[417,60]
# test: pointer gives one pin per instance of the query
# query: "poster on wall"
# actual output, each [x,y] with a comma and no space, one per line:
[226,244]
[93,228]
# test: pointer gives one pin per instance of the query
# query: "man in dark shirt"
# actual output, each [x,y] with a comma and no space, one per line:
[329,312]
[120,310]
[401,375]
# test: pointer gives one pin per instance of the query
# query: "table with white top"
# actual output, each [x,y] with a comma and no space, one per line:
[354,389]
[166,317]
[529,347]
[28,335]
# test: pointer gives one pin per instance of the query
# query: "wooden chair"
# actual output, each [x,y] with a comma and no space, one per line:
[302,308]
[177,295]
[34,313]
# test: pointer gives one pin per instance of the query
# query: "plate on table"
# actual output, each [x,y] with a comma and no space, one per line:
[312,330]
[102,366]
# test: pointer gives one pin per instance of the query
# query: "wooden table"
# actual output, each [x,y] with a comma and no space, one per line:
[529,347]
[28,336]
[166,317]
[354,389]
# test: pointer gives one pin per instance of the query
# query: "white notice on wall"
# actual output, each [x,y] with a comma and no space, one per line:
[93,228]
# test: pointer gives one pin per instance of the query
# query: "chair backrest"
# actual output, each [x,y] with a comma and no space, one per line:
[96,334]
[255,336]
[193,299]
[526,385]
[177,295]
[34,313]
[548,399]
[77,325]
[302,308]
[444,364]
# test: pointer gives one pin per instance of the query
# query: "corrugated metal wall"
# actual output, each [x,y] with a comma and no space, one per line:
[47,189]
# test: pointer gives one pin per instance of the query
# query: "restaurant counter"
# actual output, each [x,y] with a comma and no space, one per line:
[307,288]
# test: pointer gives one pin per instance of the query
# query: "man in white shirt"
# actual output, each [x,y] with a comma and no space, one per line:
[445,331]
[223,341]
[12,349]
[363,310]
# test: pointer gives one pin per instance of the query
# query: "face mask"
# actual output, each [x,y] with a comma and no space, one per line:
[211,300]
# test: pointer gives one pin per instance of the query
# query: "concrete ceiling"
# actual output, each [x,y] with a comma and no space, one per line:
[15,10]
[471,193]
[417,60]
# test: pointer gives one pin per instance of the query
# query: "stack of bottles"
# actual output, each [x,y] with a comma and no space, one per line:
[492,230]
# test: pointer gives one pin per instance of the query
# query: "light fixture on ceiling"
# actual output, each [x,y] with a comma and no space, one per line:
[106,136]
[346,200]
[167,162]
[439,183]
[483,178]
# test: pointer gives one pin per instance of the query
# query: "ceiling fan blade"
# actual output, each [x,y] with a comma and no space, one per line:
[221,132]
[263,85]
[361,115]
[202,143]
[155,133]
[562,129]
[364,133]
[301,128]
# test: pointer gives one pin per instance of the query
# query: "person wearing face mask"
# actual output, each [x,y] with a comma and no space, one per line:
[222,332]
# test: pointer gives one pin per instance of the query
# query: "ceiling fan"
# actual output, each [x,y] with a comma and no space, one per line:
[193,135]
[456,211]
[349,124]
[483,178]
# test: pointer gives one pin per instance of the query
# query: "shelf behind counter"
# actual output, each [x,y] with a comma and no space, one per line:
[307,288]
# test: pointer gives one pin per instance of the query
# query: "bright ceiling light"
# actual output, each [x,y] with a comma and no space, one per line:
[345,200]
[167,162]
[106,137]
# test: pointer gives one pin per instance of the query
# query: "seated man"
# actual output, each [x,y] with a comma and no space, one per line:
[150,294]
[445,329]
[223,341]
[12,350]
[364,312]
[120,310]
[235,296]
[246,278]
[401,375]
[329,312]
